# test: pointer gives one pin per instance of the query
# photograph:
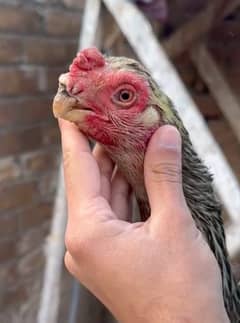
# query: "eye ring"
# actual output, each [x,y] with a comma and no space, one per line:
[124,96]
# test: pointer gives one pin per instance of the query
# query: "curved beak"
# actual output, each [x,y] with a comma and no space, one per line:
[66,106]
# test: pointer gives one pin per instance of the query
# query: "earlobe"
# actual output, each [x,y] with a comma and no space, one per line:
[150,117]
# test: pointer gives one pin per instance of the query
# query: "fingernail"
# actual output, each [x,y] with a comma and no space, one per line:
[169,137]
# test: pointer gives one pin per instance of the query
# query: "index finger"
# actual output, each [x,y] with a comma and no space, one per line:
[82,177]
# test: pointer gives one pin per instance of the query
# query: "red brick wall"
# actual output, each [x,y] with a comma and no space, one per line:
[37,41]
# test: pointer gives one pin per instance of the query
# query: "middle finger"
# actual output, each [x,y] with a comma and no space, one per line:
[106,167]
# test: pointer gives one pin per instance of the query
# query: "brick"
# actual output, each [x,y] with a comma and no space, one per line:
[28,81]
[36,163]
[51,134]
[31,239]
[34,217]
[8,225]
[11,50]
[10,2]
[31,262]
[25,140]
[11,277]
[7,250]
[26,308]
[9,170]
[20,303]
[47,186]
[78,4]
[25,112]
[13,296]
[18,195]
[62,23]
[33,286]
[52,75]
[20,141]
[24,80]
[49,52]
[9,274]
[10,314]
[19,20]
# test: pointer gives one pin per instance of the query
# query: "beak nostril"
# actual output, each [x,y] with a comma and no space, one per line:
[76,89]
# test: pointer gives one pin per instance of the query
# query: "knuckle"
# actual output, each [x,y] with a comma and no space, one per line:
[78,246]
[82,238]
[166,172]
[70,243]
[84,246]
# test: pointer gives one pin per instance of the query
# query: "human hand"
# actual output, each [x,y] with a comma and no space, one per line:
[161,270]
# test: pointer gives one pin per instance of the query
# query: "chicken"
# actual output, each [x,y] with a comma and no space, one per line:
[115,101]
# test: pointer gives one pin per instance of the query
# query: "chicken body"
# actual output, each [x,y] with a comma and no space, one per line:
[115,101]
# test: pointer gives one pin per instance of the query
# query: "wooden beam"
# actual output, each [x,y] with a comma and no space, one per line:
[139,33]
[219,87]
[55,248]
[90,24]
[198,26]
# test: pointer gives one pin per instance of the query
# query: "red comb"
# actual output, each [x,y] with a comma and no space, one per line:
[86,60]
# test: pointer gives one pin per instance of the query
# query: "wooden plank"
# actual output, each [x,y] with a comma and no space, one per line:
[139,34]
[197,27]
[55,249]
[219,87]
[90,24]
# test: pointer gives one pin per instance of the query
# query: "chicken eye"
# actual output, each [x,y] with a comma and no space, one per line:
[125,96]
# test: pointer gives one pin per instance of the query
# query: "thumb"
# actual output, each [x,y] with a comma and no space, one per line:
[163,170]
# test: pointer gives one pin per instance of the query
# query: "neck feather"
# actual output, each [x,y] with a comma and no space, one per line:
[206,211]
